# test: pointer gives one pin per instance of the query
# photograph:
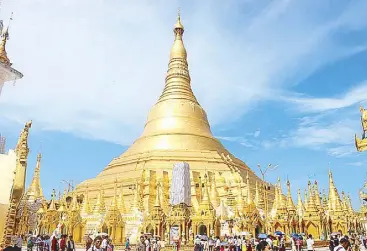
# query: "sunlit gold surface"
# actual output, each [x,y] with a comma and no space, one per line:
[18,188]
[177,129]
[226,196]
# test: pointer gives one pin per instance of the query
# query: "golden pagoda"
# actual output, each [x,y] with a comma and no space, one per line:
[361,144]
[177,130]
[31,202]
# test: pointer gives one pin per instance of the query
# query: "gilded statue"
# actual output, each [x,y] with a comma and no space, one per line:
[363,120]
[17,189]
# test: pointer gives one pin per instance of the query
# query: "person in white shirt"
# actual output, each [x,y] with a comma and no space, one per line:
[104,243]
[19,242]
[310,243]
[343,245]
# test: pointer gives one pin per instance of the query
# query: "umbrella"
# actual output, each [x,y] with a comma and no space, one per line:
[336,233]
[278,233]
[245,233]
[262,236]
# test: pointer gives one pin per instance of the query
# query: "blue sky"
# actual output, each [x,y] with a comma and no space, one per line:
[281,81]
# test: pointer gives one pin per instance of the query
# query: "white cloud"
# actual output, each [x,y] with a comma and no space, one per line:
[94,68]
[354,96]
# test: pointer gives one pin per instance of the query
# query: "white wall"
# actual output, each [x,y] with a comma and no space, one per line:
[7,168]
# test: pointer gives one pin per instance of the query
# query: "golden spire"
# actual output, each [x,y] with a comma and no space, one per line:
[62,207]
[334,198]
[100,206]
[281,202]
[74,203]
[34,191]
[317,195]
[240,200]
[206,200]
[52,206]
[259,200]
[300,207]
[178,77]
[290,204]
[4,37]
[86,206]
[306,198]
[121,202]
[311,198]
[114,203]
[249,195]
[324,200]
[214,196]
[157,202]
[136,201]
[350,207]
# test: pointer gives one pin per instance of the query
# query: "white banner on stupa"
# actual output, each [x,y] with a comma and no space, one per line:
[181,188]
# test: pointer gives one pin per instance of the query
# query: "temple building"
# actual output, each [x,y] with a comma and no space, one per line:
[132,194]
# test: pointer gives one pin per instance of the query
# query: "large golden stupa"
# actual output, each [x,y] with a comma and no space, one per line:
[177,130]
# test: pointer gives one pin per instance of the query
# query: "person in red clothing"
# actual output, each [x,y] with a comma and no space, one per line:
[63,243]
[54,244]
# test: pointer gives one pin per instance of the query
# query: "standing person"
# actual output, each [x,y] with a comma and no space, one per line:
[97,245]
[343,245]
[141,245]
[211,244]
[70,245]
[63,243]
[30,244]
[127,244]
[310,242]
[54,243]
[104,243]
[19,243]
[88,243]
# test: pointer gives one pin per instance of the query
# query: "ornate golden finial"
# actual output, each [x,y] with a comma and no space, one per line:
[214,195]
[100,206]
[178,49]
[300,206]
[157,202]
[86,206]
[52,206]
[290,204]
[121,203]
[5,36]
[34,191]
[74,203]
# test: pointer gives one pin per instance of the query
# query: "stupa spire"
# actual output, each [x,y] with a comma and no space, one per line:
[52,206]
[135,203]
[249,195]
[259,200]
[214,196]
[121,202]
[114,203]
[74,203]
[334,198]
[290,204]
[178,77]
[100,206]
[86,206]
[300,206]
[157,202]
[35,191]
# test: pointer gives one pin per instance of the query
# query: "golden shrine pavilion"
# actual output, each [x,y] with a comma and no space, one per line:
[131,195]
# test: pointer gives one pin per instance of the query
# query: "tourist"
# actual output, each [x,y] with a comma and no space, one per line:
[211,244]
[243,242]
[127,244]
[46,243]
[54,244]
[310,242]
[343,245]
[276,243]
[264,246]
[110,245]
[217,244]
[197,243]
[97,244]
[105,242]
[70,245]
[30,244]
[63,243]
[18,243]
[88,243]
[248,246]
[141,245]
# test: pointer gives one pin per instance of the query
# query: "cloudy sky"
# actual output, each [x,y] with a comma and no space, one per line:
[281,81]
